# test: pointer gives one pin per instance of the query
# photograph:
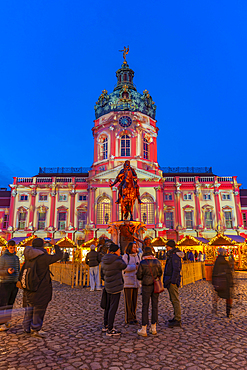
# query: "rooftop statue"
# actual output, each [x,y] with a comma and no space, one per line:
[125,52]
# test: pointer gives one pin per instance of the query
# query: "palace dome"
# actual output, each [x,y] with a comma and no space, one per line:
[125,97]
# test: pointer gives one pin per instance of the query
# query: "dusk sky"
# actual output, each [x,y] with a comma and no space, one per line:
[56,57]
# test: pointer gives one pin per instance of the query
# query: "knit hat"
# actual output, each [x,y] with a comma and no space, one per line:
[92,247]
[147,251]
[37,243]
[113,247]
[171,243]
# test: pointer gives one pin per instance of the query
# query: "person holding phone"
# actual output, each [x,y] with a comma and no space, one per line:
[131,284]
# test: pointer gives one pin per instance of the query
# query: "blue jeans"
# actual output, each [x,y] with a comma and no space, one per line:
[94,277]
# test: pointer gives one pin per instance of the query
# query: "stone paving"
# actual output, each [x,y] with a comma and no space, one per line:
[74,339]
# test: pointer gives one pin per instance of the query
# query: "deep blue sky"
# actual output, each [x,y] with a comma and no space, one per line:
[57,56]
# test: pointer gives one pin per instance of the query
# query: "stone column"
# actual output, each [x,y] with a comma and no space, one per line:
[12,207]
[114,206]
[238,208]
[178,218]
[198,207]
[53,208]
[72,207]
[159,206]
[32,207]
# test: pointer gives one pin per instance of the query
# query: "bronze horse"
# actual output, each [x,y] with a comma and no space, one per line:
[128,197]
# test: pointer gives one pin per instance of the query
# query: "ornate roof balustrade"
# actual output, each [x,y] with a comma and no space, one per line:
[225,179]
[26,180]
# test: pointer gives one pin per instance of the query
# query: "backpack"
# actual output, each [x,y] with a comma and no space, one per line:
[28,276]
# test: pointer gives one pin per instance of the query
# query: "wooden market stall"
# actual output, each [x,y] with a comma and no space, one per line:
[234,244]
[67,246]
[3,244]
[196,244]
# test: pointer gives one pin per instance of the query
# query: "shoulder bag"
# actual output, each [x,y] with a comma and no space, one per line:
[158,286]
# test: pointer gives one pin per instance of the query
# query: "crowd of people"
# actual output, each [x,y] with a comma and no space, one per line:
[137,269]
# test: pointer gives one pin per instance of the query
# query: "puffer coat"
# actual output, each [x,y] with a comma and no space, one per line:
[173,267]
[112,266]
[144,273]
[129,274]
[9,260]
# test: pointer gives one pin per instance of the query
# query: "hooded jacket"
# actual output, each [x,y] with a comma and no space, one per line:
[9,260]
[44,293]
[173,267]
[111,272]
[129,274]
[92,258]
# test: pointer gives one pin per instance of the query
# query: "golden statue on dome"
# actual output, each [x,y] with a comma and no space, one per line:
[125,52]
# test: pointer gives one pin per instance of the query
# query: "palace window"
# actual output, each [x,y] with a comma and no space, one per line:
[145,148]
[5,221]
[226,196]
[207,196]
[43,197]
[125,146]
[41,220]
[81,220]
[82,197]
[189,220]
[62,220]
[187,196]
[208,220]
[22,220]
[228,219]
[103,211]
[244,219]
[168,196]
[169,220]
[23,197]
[63,197]
[147,210]
[104,148]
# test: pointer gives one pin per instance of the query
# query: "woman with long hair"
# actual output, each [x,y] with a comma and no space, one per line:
[131,284]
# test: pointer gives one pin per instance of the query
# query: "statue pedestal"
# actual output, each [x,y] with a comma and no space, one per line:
[122,232]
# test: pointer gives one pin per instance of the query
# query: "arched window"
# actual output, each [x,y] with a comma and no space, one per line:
[103,211]
[22,220]
[105,148]
[41,220]
[147,210]
[145,148]
[81,219]
[125,146]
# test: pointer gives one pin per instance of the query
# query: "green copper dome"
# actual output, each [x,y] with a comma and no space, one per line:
[125,97]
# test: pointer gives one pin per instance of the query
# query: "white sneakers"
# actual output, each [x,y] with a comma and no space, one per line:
[143,330]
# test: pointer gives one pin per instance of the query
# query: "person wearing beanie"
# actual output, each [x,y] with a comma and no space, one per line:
[172,279]
[112,266]
[222,280]
[36,302]
[9,273]
[93,261]
[149,270]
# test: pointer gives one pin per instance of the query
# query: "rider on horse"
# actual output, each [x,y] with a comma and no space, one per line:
[121,178]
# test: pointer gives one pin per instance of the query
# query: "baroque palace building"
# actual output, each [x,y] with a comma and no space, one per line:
[78,202]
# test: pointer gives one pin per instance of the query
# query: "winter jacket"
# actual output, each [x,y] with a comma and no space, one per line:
[222,268]
[9,260]
[92,259]
[44,293]
[144,273]
[111,272]
[173,267]
[129,274]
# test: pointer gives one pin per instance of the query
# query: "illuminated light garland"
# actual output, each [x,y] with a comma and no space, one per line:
[224,237]
[3,242]
[198,242]
[27,240]
[66,239]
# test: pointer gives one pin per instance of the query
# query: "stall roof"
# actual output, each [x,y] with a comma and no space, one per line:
[65,243]
[156,242]
[221,239]
[236,238]
[190,241]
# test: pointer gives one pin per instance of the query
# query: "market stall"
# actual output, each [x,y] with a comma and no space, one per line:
[67,246]
[3,244]
[236,249]
[194,244]
[22,242]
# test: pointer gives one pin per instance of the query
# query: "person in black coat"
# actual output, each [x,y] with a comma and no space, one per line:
[112,266]
[172,279]
[36,303]
[149,270]
[222,281]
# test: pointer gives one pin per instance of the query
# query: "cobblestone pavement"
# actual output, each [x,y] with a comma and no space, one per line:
[75,341]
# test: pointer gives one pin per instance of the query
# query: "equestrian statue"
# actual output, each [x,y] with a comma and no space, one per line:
[128,190]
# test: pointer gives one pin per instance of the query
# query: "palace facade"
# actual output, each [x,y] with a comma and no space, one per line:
[79,203]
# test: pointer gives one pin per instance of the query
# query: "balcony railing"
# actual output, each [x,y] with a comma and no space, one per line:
[186,169]
[62,170]
[206,179]
[27,180]
[44,179]
[169,179]
[186,179]
[225,179]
